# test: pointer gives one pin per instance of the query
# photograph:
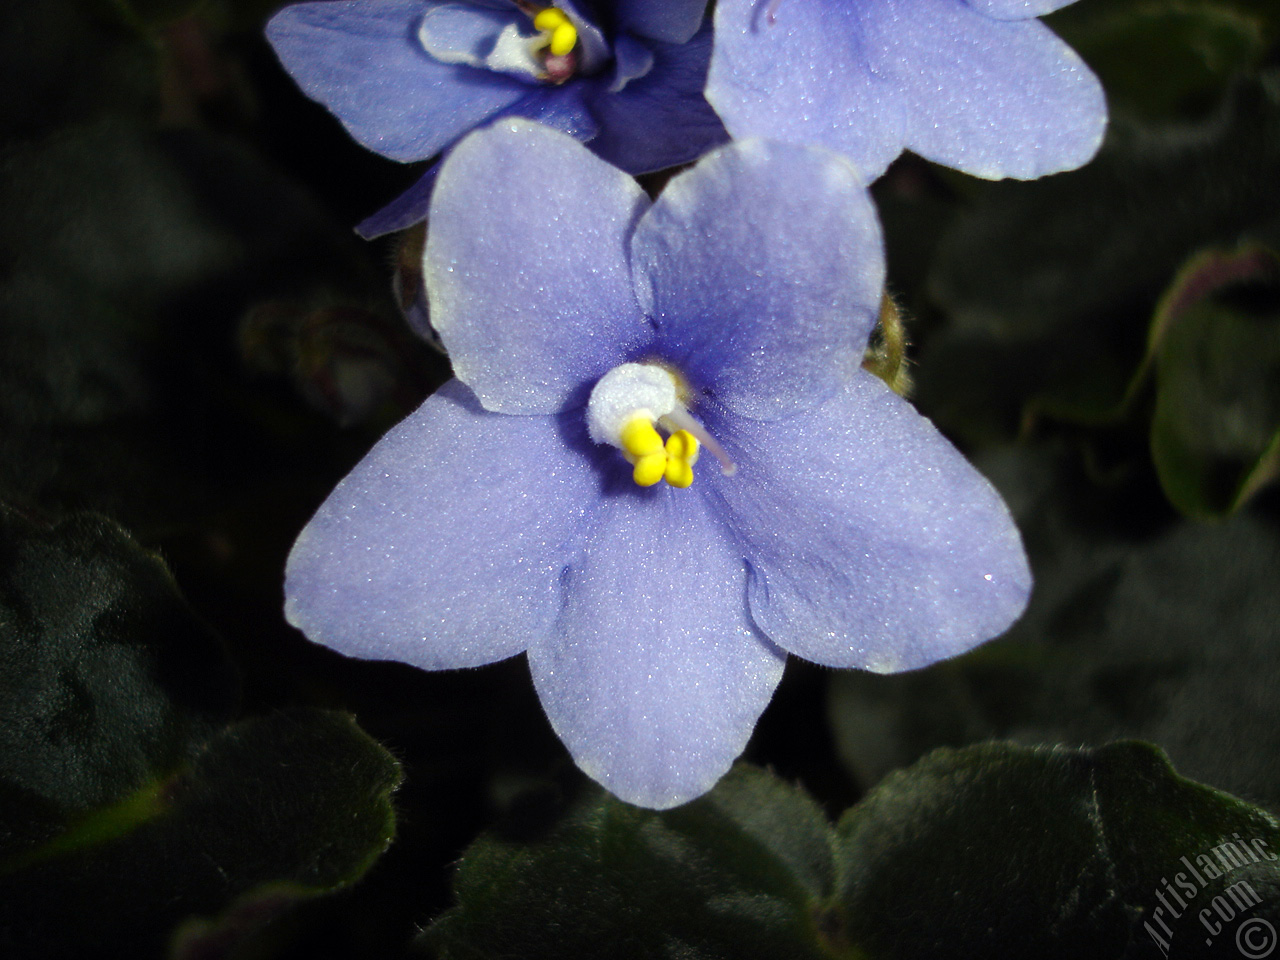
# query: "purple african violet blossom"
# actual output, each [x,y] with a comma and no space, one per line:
[506,515]
[979,85]
[408,78]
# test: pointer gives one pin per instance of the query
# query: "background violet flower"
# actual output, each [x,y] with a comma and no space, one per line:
[408,78]
[979,85]
[516,510]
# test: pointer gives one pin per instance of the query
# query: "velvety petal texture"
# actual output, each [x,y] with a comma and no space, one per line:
[770,321]
[878,546]
[655,674]
[979,85]
[655,615]
[526,267]
[995,98]
[383,572]
[363,60]
[1017,9]
[659,119]
[671,21]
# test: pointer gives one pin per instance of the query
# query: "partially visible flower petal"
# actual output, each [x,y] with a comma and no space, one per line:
[671,21]
[561,108]
[363,60]
[769,320]
[1017,9]
[796,70]
[659,119]
[405,210]
[526,267]
[995,98]
[872,541]
[631,60]
[656,675]
[381,571]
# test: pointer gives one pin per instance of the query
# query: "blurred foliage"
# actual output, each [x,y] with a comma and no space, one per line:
[194,347]
[119,776]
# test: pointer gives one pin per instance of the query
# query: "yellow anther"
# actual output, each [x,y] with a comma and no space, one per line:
[548,18]
[678,473]
[564,35]
[683,445]
[650,469]
[640,439]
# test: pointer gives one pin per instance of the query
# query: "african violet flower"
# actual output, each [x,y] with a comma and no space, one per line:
[551,499]
[408,78]
[979,85]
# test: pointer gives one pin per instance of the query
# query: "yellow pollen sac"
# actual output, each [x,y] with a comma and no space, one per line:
[650,469]
[682,453]
[564,35]
[683,445]
[653,460]
[678,473]
[640,439]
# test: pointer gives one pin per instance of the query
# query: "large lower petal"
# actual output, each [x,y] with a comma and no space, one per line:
[655,675]
[363,60]
[995,98]
[872,542]
[763,268]
[443,548]
[796,70]
[526,266]
[659,119]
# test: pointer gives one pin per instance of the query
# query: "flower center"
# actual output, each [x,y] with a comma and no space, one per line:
[630,403]
[554,47]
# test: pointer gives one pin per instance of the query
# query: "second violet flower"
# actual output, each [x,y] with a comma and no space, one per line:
[979,85]
[409,78]
[551,500]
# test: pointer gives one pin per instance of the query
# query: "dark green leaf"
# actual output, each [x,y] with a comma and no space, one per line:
[1004,851]
[299,798]
[107,679]
[735,874]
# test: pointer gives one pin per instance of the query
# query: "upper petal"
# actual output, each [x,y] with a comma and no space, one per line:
[995,98]
[443,547]
[763,268]
[672,21]
[526,266]
[795,70]
[655,675]
[363,60]
[872,542]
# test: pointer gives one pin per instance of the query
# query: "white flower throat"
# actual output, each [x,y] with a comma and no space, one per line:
[628,406]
